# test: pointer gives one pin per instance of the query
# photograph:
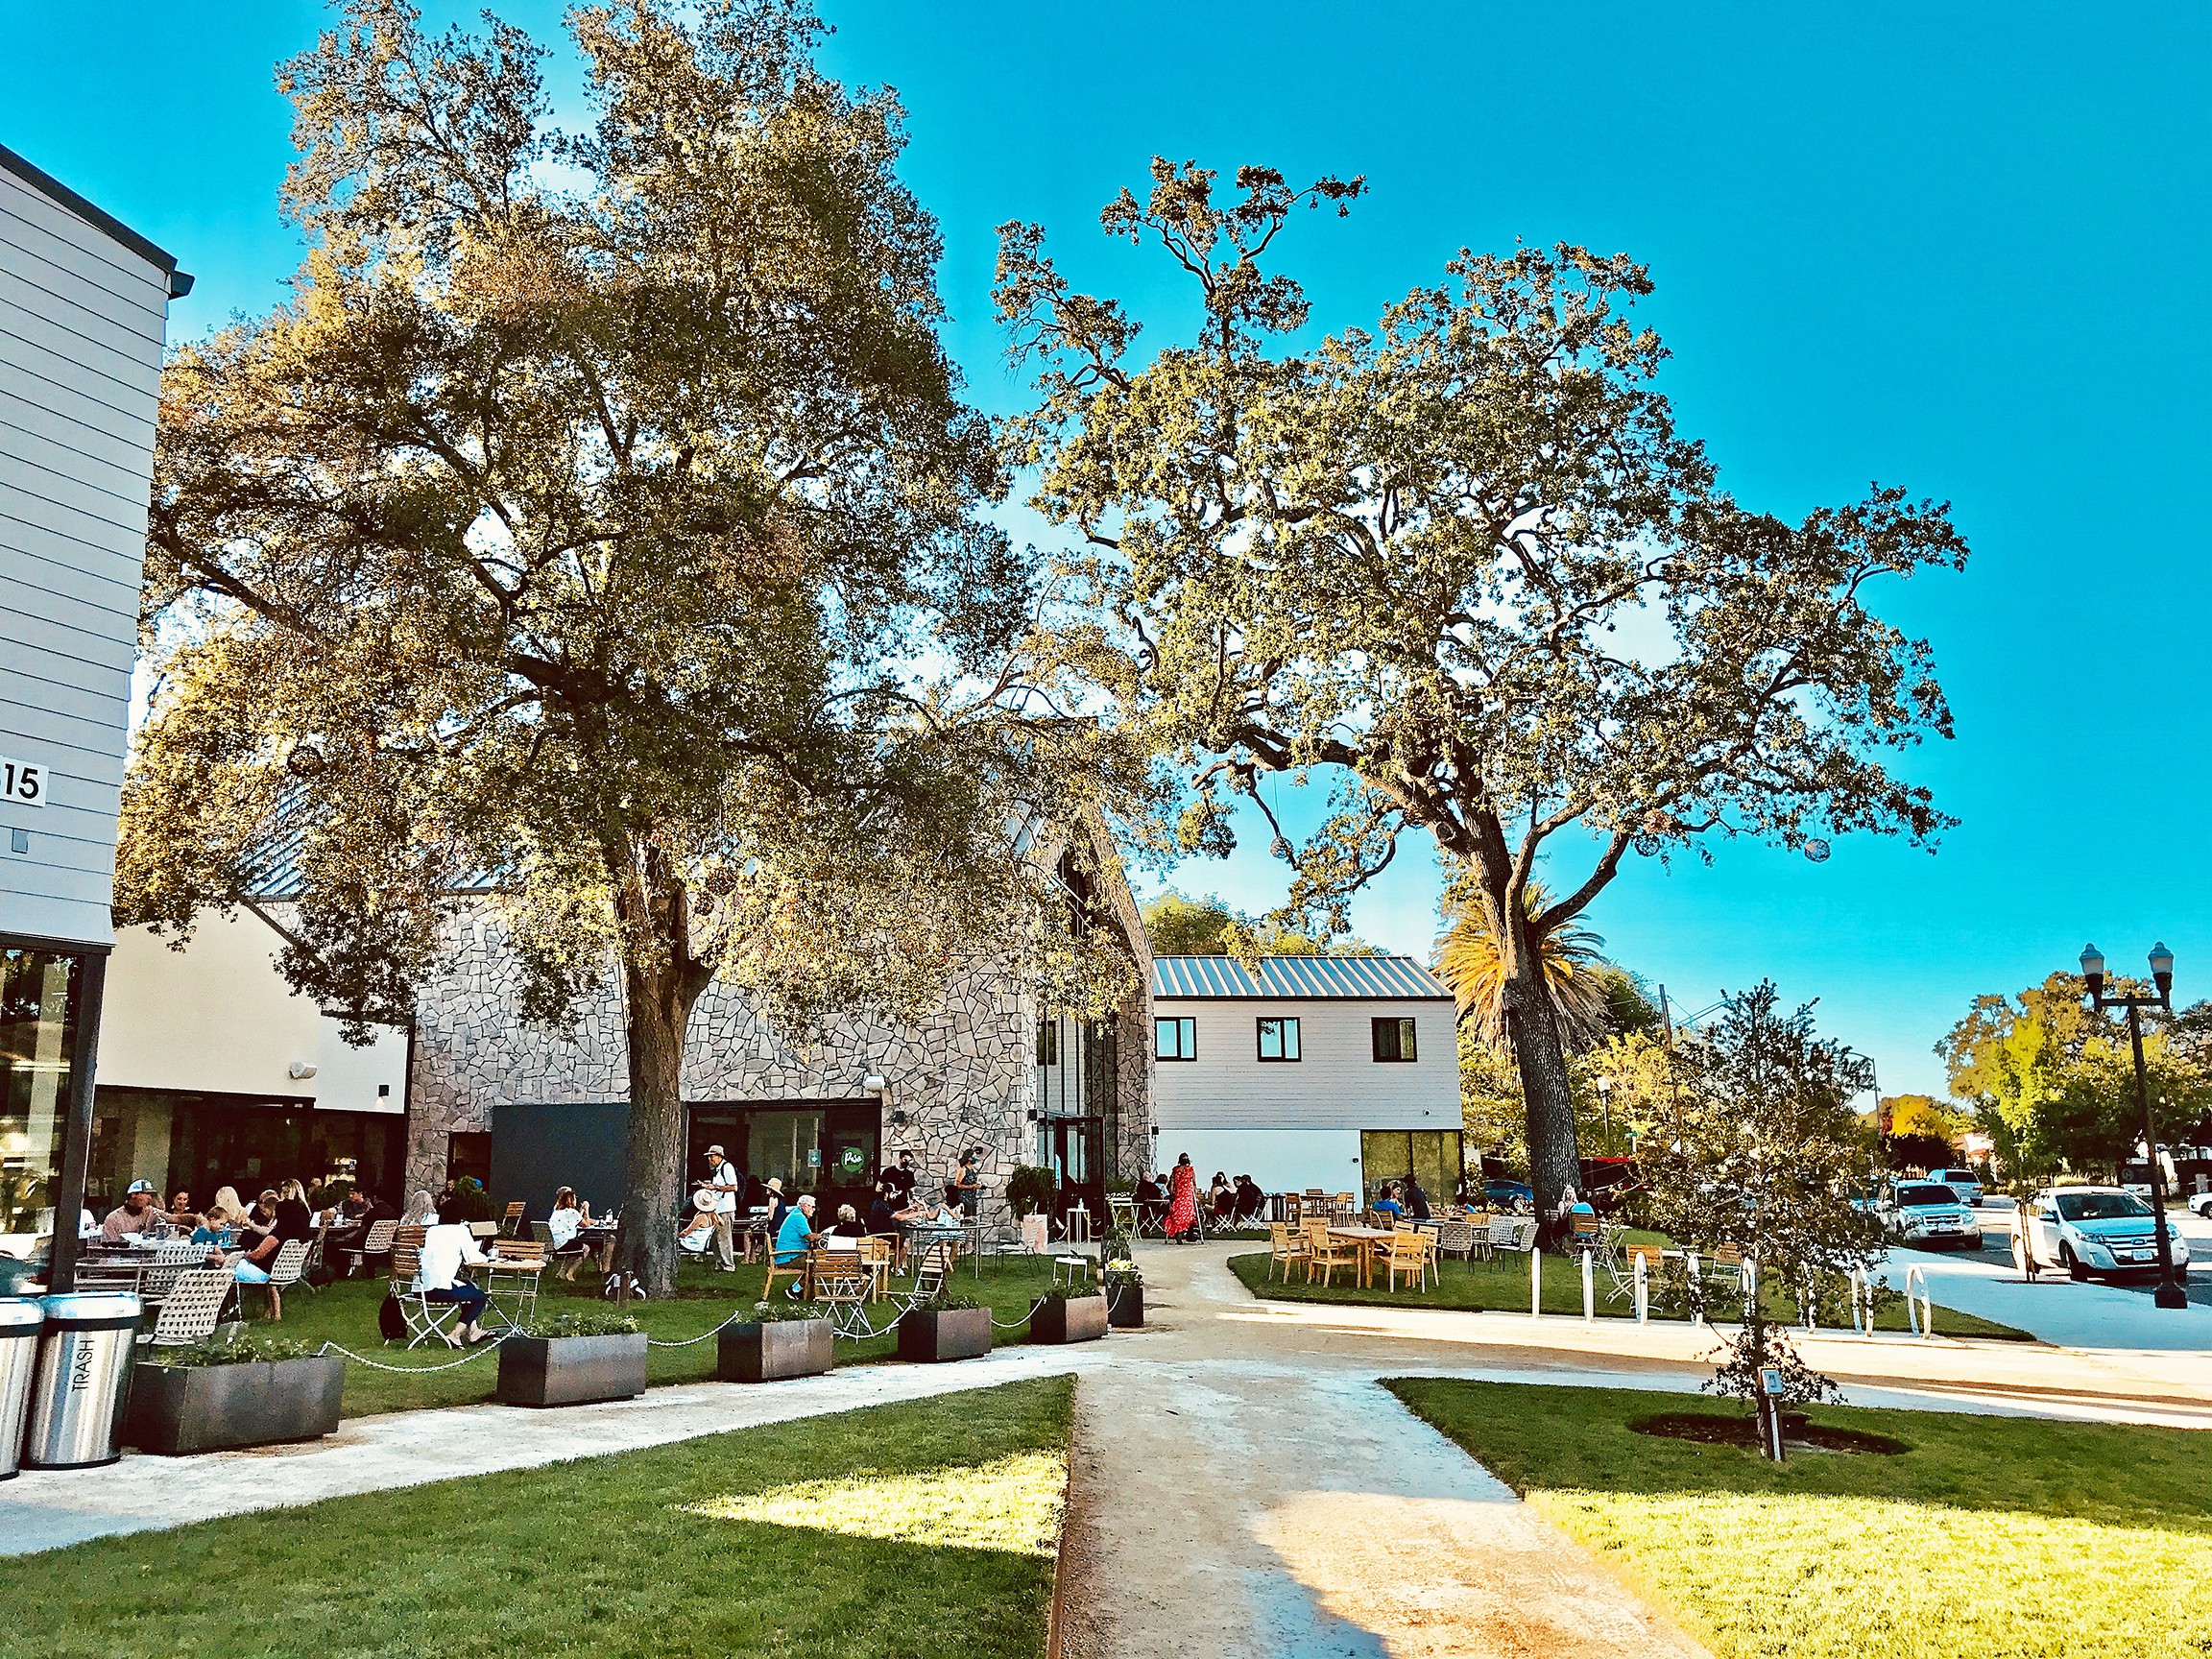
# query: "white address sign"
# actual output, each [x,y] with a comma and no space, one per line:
[22,781]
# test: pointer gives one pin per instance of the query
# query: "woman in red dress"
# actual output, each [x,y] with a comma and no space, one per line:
[1183,1200]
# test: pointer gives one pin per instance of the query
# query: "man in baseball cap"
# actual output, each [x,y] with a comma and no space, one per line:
[136,1215]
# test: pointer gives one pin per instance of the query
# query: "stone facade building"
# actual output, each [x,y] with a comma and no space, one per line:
[528,1108]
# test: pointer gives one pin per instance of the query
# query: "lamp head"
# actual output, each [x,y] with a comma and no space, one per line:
[2093,970]
[2162,971]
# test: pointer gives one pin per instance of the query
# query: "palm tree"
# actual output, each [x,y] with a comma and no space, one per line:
[1467,960]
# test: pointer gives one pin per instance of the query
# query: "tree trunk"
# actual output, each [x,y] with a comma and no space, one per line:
[656,1014]
[1555,1157]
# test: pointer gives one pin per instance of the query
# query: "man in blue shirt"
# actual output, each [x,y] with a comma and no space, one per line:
[1387,1204]
[791,1237]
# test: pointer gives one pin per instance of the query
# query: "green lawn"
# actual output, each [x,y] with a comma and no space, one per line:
[1991,1538]
[346,1313]
[1501,1286]
[921,1530]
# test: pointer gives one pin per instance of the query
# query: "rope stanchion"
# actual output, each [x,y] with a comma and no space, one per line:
[490,1347]
[693,1341]
[1010,1324]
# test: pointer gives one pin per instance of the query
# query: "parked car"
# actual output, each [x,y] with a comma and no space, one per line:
[2088,1229]
[1927,1214]
[1509,1195]
[1962,1181]
[2201,1204]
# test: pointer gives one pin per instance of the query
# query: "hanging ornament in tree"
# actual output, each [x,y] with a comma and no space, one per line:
[1817,851]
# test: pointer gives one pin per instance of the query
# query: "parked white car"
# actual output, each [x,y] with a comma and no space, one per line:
[1928,1213]
[1962,1181]
[2087,1230]
[2201,1204]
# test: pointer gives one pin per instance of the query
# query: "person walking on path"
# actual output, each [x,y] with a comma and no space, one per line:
[1183,1202]
[722,1181]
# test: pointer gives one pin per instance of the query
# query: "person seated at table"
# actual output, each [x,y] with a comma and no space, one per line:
[778,1206]
[294,1219]
[228,1200]
[793,1237]
[420,1210]
[136,1215]
[181,1216]
[1150,1199]
[350,1220]
[1470,1194]
[1220,1197]
[258,1243]
[698,1234]
[848,1224]
[1387,1203]
[884,1210]
[1415,1200]
[446,1248]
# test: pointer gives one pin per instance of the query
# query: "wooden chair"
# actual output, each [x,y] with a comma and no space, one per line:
[1328,1253]
[796,1271]
[192,1309]
[877,1251]
[1293,1208]
[283,1273]
[1286,1245]
[425,1317]
[1405,1252]
[843,1282]
[511,1223]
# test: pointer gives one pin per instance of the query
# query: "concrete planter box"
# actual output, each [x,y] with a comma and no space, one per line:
[571,1370]
[1077,1319]
[176,1409]
[770,1351]
[1125,1305]
[958,1334]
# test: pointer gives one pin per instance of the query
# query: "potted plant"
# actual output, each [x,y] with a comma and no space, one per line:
[1069,1313]
[782,1339]
[1124,1287]
[572,1360]
[1029,1194]
[945,1328]
[217,1397]
[469,1198]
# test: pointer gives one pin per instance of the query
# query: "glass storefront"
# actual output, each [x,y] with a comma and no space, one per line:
[829,1148]
[1432,1155]
[38,1000]
[199,1142]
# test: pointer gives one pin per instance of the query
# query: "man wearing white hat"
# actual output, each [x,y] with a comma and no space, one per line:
[722,1182]
[137,1213]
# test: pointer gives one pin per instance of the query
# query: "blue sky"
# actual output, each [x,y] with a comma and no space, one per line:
[1916,244]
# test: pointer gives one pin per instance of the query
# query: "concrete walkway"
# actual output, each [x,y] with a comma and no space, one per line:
[46,1509]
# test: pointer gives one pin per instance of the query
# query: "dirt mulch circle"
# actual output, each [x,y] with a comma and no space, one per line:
[1744,1431]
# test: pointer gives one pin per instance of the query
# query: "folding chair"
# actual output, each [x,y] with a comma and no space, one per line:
[523,1260]
[843,1281]
[511,1223]
[425,1317]
[192,1309]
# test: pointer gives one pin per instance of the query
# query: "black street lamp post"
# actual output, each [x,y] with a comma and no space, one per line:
[2170,1292]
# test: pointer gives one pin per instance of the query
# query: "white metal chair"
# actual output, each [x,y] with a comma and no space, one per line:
[424,1319]
[171,1258]
[377,1242]
[283,1273]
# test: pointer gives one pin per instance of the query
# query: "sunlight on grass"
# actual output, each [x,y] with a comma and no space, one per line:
[1011,1503]
[1836,1577]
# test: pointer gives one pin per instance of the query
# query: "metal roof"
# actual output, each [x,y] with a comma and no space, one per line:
[1295,976]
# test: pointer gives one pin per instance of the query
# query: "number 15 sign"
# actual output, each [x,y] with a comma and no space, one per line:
[22,781]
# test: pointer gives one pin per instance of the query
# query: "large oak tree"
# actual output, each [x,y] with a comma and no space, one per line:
[1465,564]
[597,524]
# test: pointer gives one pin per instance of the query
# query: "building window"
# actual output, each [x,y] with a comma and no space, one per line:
[1047,1041]
[1394,1040]
[468,1155]
[1277,1039]
[1175,1038]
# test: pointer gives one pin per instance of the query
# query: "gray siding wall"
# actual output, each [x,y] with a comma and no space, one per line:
[1337,1084]
[82,321]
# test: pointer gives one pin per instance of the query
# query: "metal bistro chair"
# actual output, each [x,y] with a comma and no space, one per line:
[844,1284]
[283,1273]
[424,1319]
[171,1258]
[522,1263]
[511,1223]
[378,1241]
[1457,1238]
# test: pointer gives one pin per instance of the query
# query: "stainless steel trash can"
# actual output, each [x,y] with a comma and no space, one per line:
[84,1372]
[19,1320]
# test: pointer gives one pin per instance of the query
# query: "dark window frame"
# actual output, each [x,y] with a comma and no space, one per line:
[1181,1023]
[1048,1042]
[1289,1023]
[1403,1043]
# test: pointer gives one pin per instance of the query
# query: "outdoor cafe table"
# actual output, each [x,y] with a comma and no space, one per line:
[1369,1240]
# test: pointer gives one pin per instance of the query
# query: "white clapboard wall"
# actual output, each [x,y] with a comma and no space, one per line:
[84,303]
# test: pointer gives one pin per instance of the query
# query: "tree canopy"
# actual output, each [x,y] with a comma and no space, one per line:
[1178,924]
[2054,1082]
[599,520]
[1464,566]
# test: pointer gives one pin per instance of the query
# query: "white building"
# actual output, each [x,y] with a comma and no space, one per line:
[1333,1072]
[84,314]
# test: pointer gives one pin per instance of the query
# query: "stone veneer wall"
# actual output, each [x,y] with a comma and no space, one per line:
[963,1078]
